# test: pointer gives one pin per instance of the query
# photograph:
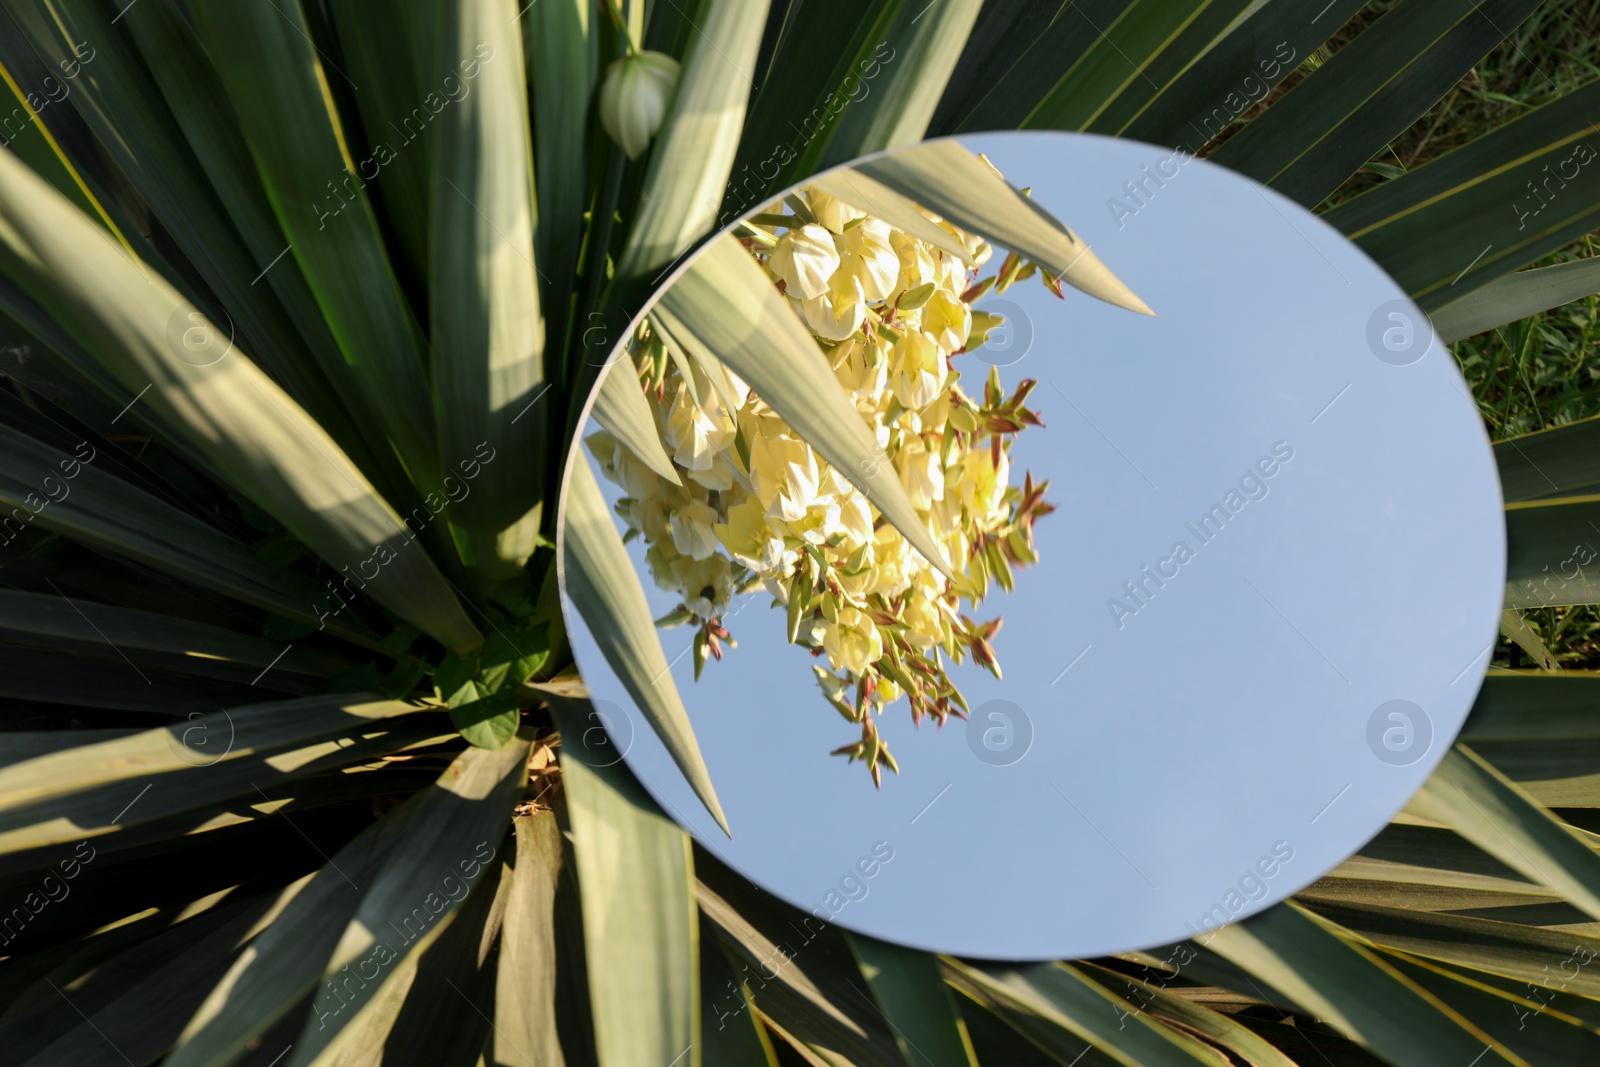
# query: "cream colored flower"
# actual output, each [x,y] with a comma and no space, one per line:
[697,435]
[804,259]
[758,505]
[853,643]
[692,532]
[917,369]
[707,584]
[749,538]
[865,251]
[784,473]
[948,320]
[840,310]
[833,213]
[983,485]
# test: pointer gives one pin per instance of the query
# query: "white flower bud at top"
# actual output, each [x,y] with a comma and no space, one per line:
[633,99]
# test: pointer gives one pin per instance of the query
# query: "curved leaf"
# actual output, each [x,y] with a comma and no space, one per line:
[620,406]
[488,332]
[155,342]
[915,1002]
[605,589]
[1062,1005]
[640,932]
[726,301]
[1305,959]
[1516,296]
[1488,809]
[693,155]
[452,832]
[953,183]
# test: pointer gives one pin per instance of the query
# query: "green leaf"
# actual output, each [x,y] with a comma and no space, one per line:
[926,40]
[452,832]
[605,589]
[161,980]
[278,85]
[1512,950]
[640,933]
[560,41]
[157,639]
[524,1001]
[1522,707]
[953,183]
[1549,536]
[1238,70]
[139,329]
[190,88]
[727,302]
[731,1032]
[1305,958]
[1560,461]
[128,114]
[693,153]
[1514,628]
[490,721]
[1367,93]
[621,407]
[109,514]
[875,198]
[1120,56]
[1516,296]
[812,79]
[1214,25]
[1468,217]
[1064,1006]
[914,999]
[392,52]
[1024,67]
[488,332]
[441,1016]
[1176,1010]
[1510,1017]
[799,973]
[65,794]
[1467,794]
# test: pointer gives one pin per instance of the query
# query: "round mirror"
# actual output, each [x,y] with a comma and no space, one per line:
[1222,553]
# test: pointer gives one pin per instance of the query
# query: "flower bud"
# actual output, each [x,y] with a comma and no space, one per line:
[633,99]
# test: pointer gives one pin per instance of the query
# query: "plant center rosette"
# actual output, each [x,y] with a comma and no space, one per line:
[757,507]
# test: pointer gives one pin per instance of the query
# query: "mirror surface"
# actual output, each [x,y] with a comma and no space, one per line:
[1261,610]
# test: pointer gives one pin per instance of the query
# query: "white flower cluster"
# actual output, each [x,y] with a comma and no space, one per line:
[758,506]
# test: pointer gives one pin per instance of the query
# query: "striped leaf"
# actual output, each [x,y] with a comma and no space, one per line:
[640,932]
[1348,110]
[926,40]
[726,301]
[1467,794]
[452,833]
[911,993]
[1060,1007]
[1516,296]
[605,589]
[621,408]
[278,84]
[953,183]
[693,155]
[524,1002]
[1307,960]
[488,334]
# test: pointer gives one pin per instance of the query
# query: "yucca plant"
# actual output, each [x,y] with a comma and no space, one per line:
[303,301]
